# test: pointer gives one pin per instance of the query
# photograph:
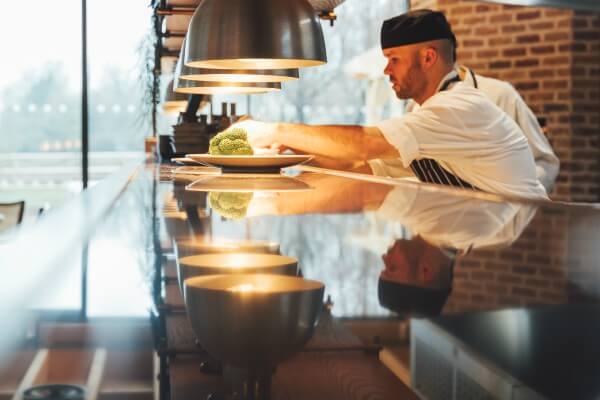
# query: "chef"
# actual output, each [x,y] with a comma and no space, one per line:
[417,278]
[505,96]
[456,137]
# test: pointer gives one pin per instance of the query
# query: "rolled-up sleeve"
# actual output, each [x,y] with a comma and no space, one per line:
[396,133]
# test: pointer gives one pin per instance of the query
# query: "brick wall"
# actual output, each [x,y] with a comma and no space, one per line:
[553,261]
[532,271]
[552,57]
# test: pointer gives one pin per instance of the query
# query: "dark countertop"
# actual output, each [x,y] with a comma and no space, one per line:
[448,252]
[552,349]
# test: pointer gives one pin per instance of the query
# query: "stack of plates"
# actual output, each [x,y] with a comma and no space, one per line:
[190,137]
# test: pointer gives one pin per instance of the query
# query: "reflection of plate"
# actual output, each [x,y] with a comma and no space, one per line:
[255,161]
[248,183]
[189,170]
[185,161]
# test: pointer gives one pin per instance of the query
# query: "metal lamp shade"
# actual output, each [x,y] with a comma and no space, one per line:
[239,75]
[196,87]
[256,34]
[173,101]
[182,71]
[225,85]
[325,5]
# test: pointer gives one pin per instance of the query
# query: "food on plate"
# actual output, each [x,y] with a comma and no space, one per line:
[232,205]
[232,142]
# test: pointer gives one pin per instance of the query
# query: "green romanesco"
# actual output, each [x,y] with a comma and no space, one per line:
[233,141]
[232,205]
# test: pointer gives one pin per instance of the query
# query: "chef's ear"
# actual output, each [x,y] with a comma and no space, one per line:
[429,56]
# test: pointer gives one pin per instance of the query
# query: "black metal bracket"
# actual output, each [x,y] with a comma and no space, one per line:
[189,115]
[171,309]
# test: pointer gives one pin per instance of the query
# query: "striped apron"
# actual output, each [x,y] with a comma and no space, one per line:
[430,171]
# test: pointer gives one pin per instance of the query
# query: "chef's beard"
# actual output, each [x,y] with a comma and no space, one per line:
[412,84]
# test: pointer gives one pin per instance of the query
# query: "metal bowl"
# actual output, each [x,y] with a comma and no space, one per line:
[235,263]
[253,329]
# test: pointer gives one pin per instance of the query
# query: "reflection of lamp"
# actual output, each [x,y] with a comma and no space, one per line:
[173,102]
[260,34]
[190,247]
[235,263]
[253,322]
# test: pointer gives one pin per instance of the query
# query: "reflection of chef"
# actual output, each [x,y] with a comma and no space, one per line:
[417,278]
[455,222]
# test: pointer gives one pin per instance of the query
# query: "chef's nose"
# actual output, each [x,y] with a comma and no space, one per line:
[387,70]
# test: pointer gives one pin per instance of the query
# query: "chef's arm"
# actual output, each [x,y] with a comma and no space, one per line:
[331,195]
[350,143]
[338,164]
[346,147]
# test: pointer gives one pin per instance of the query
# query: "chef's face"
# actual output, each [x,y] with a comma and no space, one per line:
[405,71]
[418,263]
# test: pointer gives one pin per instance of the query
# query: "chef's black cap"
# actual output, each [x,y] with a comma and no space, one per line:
[415,27]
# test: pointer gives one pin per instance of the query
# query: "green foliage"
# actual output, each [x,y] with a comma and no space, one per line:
[233,141]
[232,205]
[147,78]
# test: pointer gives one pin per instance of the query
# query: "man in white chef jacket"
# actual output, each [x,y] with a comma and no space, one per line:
[456,137]
[505,96]
[370,66]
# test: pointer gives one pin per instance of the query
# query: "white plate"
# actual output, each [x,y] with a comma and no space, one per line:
[254,161]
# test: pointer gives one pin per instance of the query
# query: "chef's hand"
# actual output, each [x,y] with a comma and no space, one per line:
[260,134]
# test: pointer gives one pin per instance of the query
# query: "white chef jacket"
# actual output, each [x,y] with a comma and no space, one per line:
[467,135]
[505,96]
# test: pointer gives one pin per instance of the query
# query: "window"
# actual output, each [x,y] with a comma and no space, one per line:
[328,94]
[40,103]
[118,32]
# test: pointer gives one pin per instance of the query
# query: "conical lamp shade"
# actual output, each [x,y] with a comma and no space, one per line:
[182,71]
[173,102]
[255,34]
[200,87]
[225,86]
[239,75]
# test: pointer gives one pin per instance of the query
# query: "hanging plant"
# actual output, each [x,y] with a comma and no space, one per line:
[149,75]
